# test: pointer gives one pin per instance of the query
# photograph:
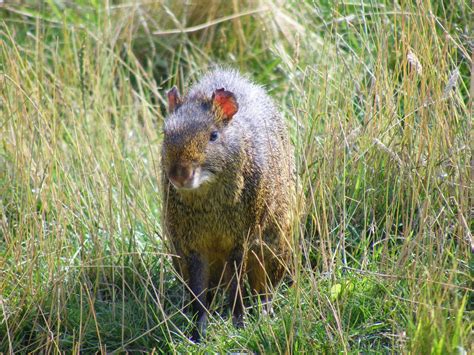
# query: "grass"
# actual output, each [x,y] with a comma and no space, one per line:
[378,99]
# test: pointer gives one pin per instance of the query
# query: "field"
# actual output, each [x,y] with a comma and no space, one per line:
[378,98]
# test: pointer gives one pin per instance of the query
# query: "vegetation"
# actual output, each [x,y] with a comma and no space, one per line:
[377,98]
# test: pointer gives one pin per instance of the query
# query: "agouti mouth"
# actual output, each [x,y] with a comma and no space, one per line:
[193,181]
[183,184]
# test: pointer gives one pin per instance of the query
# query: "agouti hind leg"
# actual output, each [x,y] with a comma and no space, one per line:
[260,283]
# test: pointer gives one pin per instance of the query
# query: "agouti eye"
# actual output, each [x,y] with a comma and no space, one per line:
[205,105]
[214,136]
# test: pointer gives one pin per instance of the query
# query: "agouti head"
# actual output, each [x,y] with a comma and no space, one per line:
[195,145]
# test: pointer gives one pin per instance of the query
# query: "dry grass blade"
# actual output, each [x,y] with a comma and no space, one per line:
[378,97]
[210,23]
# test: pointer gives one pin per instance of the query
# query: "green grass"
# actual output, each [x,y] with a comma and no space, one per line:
[377,98]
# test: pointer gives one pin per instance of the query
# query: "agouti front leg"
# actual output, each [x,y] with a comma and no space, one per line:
[198,269]
[237,264]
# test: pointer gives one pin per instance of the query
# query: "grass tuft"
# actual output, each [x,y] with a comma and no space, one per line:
[378,99]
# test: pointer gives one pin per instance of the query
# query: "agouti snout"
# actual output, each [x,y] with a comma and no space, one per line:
[228,190]
[182,175]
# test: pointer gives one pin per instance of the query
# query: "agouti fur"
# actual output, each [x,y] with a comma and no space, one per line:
[228,184]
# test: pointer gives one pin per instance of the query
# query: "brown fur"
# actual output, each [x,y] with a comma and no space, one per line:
[239,223]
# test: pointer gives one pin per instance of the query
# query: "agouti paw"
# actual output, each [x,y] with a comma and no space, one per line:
[238,321]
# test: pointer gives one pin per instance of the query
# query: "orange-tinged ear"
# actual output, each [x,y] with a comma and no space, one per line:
[174,100]
[224,104]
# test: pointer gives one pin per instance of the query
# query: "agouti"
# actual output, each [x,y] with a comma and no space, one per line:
[228,184]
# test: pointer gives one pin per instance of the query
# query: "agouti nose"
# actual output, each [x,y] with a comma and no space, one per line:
[181,175]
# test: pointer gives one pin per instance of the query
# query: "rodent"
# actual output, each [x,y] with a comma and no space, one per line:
[228,181]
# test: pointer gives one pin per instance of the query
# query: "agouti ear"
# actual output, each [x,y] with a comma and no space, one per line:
[224,104]
[174,100]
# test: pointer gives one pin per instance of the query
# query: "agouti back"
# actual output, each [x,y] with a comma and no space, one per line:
[228,189]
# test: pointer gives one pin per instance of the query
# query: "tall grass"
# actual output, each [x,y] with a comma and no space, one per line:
[376,95]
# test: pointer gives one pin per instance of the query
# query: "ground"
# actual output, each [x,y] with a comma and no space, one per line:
[377,98]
